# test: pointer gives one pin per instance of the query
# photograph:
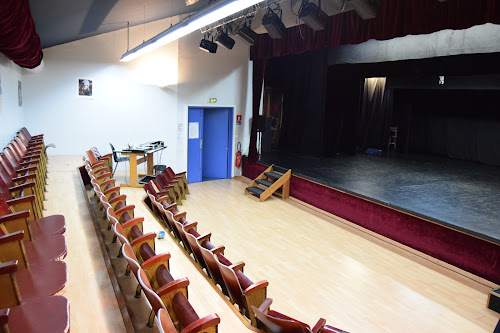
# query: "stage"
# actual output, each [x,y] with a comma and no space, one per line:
[461,195]
[447,209]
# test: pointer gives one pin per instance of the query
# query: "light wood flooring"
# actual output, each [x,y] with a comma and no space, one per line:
[316,265]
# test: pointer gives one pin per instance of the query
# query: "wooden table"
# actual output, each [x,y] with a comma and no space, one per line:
[137,157]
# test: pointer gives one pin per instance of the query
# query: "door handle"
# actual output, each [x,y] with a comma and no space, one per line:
[201,144]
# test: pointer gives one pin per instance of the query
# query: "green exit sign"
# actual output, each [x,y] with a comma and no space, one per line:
[212,100]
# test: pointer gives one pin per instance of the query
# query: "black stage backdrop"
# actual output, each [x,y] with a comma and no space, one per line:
[302,80]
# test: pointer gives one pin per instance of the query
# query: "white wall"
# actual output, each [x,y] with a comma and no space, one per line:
[11,114]
[125,110]
[225,75]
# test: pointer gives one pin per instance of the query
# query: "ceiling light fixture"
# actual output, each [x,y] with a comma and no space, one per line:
[246,34]
[313,16]
[273,24]
[191,23]
[224,40]
[208,46]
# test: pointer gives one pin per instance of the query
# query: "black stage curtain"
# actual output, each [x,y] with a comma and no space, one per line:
[302,79]
[460,124]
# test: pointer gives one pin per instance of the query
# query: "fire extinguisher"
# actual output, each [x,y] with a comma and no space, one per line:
[238,156]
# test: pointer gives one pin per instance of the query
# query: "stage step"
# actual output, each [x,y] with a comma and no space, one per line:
[264,182]
[255,190]
[276,183]
[272,174]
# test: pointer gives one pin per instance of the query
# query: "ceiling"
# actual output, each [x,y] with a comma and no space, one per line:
[58,22]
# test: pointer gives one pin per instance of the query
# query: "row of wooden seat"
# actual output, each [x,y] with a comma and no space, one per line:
[169,183]
[167,296]
[251,298]
[32,274]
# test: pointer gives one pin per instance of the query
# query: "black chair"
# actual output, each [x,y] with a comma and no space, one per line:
[117,158]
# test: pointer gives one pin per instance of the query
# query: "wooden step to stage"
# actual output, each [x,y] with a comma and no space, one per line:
[271,181]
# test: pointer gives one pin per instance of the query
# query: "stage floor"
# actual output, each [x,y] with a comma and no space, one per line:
[462,195]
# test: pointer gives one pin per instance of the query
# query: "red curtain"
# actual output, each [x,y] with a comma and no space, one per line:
[18,38]
[396,18]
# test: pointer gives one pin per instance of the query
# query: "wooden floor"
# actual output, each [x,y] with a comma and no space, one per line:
[317,266]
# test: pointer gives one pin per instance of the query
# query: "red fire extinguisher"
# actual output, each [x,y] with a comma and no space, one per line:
[238,156]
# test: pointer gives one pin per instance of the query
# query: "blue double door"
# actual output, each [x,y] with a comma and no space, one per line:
[209,143]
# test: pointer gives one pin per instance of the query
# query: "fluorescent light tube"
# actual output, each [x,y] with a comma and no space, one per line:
[191,23]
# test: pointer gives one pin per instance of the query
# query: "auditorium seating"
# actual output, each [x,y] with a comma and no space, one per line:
[166,178]
[32,247]
[180,176]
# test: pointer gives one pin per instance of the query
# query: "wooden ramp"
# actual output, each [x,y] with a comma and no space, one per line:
[274,180]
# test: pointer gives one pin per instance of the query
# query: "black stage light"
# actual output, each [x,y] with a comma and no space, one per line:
[224,40]
[313,16]
[208,46]
[273,25]
[246,34]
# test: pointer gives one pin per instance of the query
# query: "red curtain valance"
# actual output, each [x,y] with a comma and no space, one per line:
[19,40]
[396,18]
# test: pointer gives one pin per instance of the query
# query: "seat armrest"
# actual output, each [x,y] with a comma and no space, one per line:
[163,198]
[124,209]
[143,238]
[28,198]
[8,267]
[174,285]
[266,305]
[21,170]
[156,259]
[171,206]
[107,182]
[117,199]
[190,225]
[218,249]
[15,216]
[111,190]
[319,325]
[24,177]
[132,222]
[4,316]
[205,237]
[201,325]
[104,175]
[21,187]
[238,266]
[256,286]
[14,236]
[178,216]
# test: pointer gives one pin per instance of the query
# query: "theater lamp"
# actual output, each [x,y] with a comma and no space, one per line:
[224,40]
[246,34]
[204,17]
[208,46]
[313,16]
[273,24]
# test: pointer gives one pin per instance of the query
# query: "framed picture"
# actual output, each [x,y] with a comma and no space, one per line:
[85,88]
[19,93]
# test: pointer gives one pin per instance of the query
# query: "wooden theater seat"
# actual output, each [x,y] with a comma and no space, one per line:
[15,221]
[183,315]
[275,322]
[208,251]
[29,137]
[181,176]
[164,185]
[44,314]
[9,175]
[35,281]
[242,291]
[178,185]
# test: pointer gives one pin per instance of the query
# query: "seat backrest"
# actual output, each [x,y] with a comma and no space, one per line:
[274,324]
[212,266]
[153,298]
[166,175]
[5,176]
[91,157]
[13,159]
[129,255]
[4,190]
[165,323]
[4,207]
[191,235]
[232,284]
[170,172]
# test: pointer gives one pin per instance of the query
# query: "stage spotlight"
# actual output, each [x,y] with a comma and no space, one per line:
[208,46]
[273,25]
[313,16]
[224,40]
[246,34]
